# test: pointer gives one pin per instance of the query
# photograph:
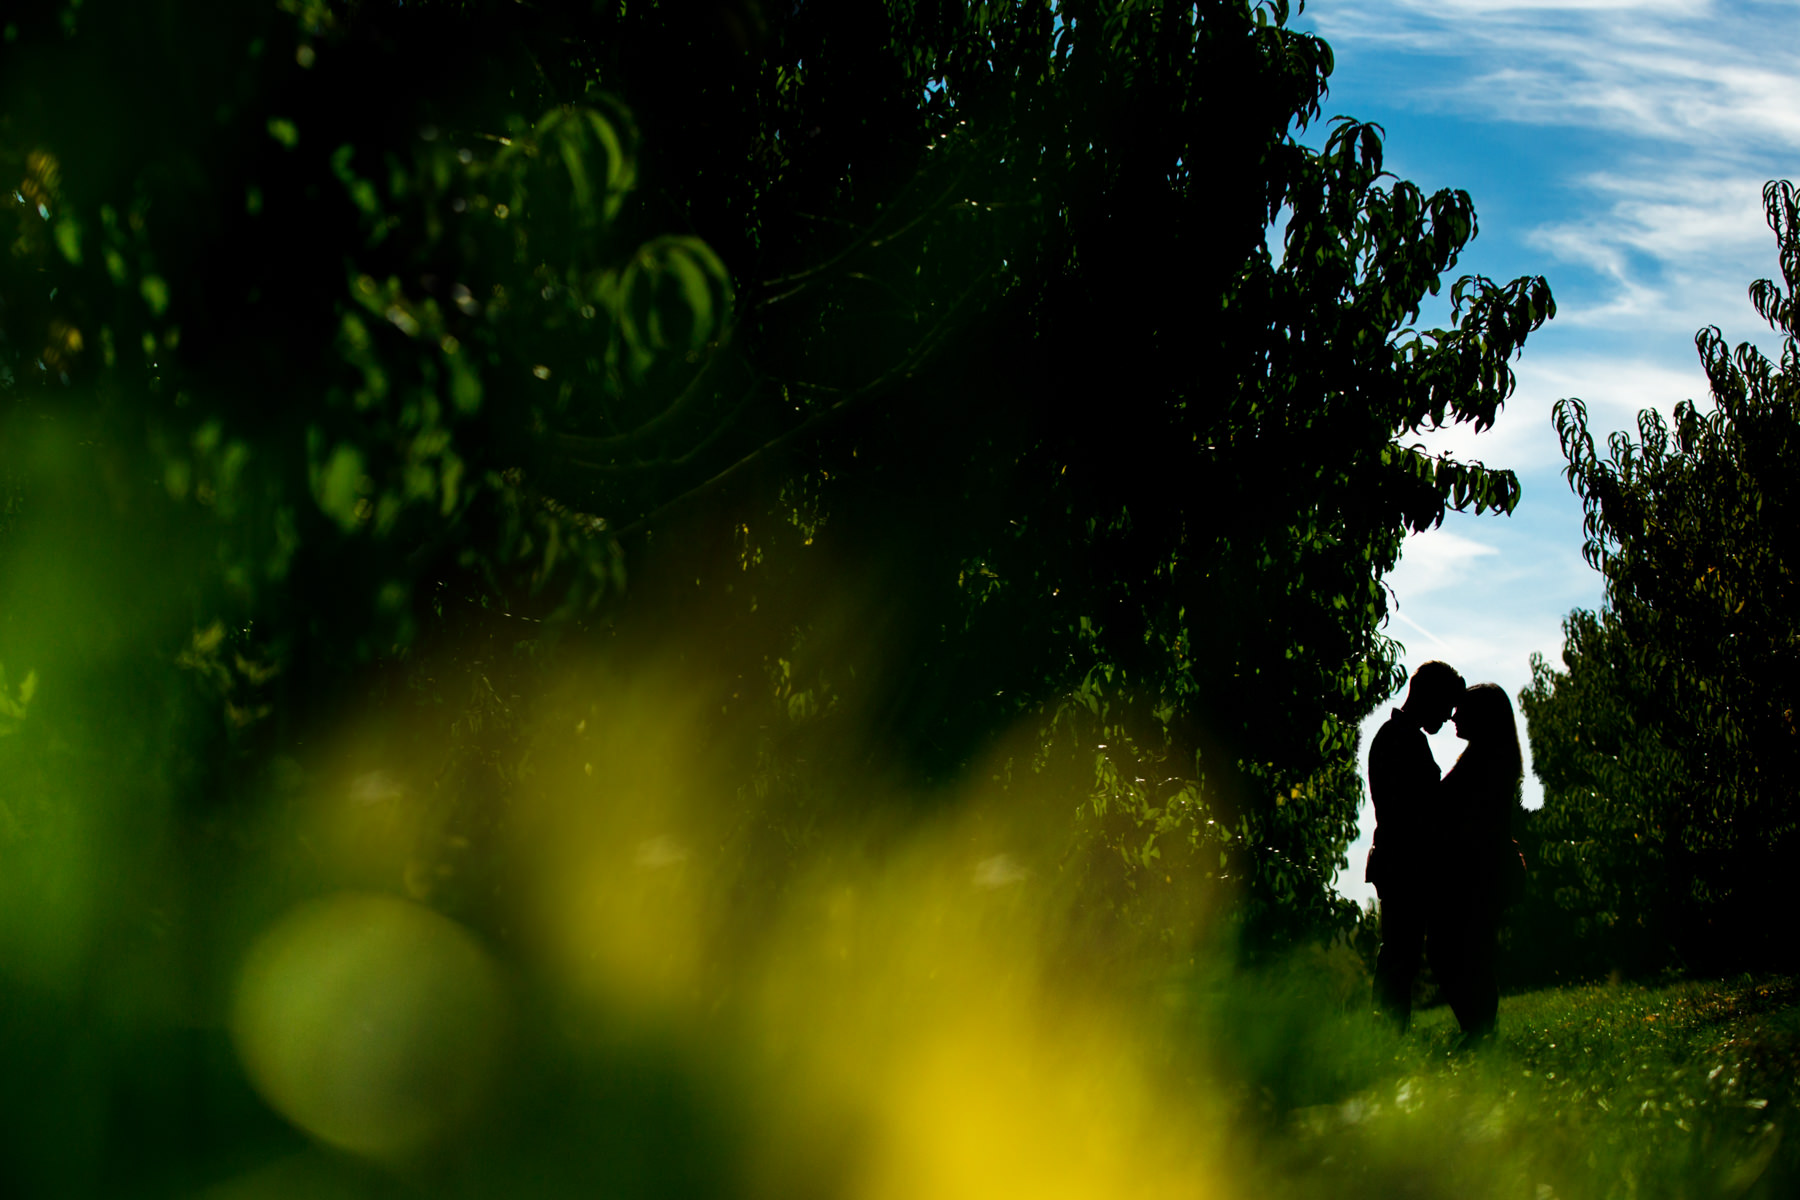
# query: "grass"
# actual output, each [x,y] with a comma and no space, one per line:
[1604,1091]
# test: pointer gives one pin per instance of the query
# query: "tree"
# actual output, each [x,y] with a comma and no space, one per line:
[1667,746]
[974,304]
[910,375]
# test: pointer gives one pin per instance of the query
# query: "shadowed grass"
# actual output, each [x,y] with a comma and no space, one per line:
[1602,1091]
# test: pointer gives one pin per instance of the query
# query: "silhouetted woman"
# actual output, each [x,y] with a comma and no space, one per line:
[1479,853]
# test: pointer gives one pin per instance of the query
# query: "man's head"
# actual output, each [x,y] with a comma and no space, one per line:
[1436,687]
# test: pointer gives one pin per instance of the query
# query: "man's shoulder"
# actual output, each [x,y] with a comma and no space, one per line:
[1397,729]
[1399,740]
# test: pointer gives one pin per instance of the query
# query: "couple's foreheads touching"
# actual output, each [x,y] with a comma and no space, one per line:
[1443,859]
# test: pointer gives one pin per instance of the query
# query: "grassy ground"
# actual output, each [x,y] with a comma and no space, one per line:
[1605,1091]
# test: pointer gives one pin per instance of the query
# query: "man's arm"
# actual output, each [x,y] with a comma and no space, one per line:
[1403,778]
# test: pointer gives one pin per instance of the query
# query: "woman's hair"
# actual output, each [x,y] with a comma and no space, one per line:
[1484,716]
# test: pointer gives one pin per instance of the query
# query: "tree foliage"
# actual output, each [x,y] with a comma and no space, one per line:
[934,359]
[921,392]
[1667,745]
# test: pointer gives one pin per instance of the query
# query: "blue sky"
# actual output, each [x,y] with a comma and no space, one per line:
[1618,147]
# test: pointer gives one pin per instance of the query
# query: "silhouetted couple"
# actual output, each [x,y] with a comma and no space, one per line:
[1444,860]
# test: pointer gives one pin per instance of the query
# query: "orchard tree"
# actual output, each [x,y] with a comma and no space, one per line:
[1612,881]
[338,331]
[1668,745]
[921,378]
[1111,465]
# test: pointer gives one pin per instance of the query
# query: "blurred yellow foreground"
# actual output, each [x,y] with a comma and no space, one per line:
[879,1004]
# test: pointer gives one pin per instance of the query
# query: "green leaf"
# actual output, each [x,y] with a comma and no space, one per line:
[339,486]
[155,293]
[68,239]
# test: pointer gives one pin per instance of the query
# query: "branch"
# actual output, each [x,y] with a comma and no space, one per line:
[684,400]
[867,239]
[693,452]
[905,369]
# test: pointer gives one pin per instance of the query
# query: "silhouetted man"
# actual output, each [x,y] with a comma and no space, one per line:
[1403,782]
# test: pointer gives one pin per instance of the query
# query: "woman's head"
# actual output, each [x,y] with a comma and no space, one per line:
[1484,718]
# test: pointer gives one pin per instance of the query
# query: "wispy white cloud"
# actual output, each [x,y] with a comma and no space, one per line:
[1678,246]
[1434,560]
[1712,86]
[1615,388]
[1699,100]
[1464,589]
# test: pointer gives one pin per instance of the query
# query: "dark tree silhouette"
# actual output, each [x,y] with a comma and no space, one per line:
[1667,745]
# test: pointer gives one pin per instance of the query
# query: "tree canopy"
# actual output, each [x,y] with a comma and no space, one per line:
[934,389]
[380,312]
[1667,744]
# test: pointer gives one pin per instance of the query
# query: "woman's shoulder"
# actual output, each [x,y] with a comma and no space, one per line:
[1480,786]
[1476,770]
